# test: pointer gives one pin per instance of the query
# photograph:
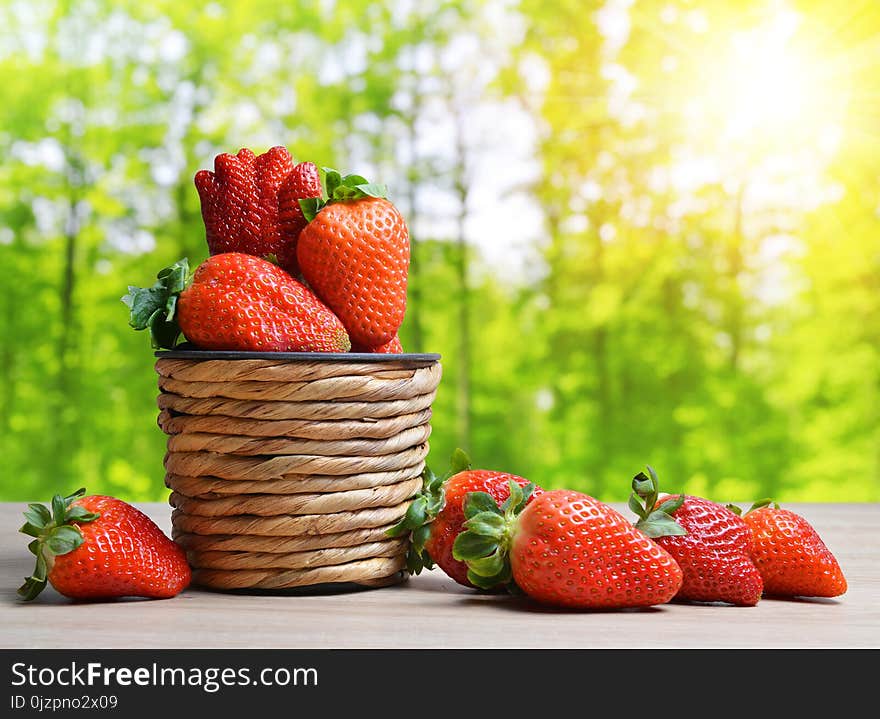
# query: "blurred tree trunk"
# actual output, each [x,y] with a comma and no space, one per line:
[414,310]
[460,189]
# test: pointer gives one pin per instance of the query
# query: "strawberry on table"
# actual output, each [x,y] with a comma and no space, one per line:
[235,302]
[790,554]
[240,202]
[96,547]
[565,548]
[354,253]
[710,543]
[303,182]
[436,516]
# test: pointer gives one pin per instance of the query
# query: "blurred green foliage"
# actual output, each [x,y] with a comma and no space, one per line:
[694,296]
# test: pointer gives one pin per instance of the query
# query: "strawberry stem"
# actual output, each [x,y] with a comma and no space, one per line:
[340,188]
[55,534]
[155,307]
[655,521]
[489,532]
[426,505]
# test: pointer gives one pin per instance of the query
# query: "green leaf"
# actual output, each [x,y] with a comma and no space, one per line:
[163,334]
[78,513]
[660,524]
[31,588]
[34,547]
[416,514]
[636,506]
[59,509]
[373,189]
[310,207]
[421,535]
[515,498]
[489,566]
[671,506]
[398,530]
[31,530]
[502,578]
[156,307]
[469,545]
[478,502]
[76,495]
[344,193]
[761,503]
[332,180]
[37,515]
[459,462]
[527,492]
[354,180]
[62,540]
[487,524]
[642,486]
[735,509]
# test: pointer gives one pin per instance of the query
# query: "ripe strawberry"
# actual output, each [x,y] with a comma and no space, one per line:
[302,183]
[240,202]
[236,302]
[354,253]
[792,558]
[710,543]
[436,516]
[100,547]
[394,346]
[565,548]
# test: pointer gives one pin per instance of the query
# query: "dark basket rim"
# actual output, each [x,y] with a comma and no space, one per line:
[359,357]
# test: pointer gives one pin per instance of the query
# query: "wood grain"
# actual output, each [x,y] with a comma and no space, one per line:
[431,611]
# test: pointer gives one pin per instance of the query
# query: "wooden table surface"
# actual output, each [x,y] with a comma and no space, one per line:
[431,611]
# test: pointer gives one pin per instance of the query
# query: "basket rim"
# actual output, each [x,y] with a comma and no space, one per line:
[357,357]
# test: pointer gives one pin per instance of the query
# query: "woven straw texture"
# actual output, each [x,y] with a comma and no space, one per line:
[288,473]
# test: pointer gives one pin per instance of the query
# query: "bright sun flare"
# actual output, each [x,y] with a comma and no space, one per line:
[768,87]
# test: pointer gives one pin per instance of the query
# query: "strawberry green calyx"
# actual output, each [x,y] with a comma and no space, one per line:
[643,500]
[55,532]
[489,531]
[155,307]
[425,507]
[759,504]
[340,188]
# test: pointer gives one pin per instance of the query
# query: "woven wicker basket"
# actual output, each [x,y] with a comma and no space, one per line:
[286,469]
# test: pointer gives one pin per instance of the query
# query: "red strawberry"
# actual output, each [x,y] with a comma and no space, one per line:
[792,558]
[240,202]
[302,183]
[354,253]
[236,302]
[565,548]
[392,347]
[436,516]
[710,543]
[99,547]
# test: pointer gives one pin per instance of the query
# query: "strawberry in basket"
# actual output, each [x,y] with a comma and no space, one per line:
[249,203]
[354,253]
[235,301]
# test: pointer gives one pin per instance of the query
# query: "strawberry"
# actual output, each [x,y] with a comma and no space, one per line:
[354,253]
[710,543]
[393,346]
[98,547]
[436,516]
[303,182]
[235,302]
[240,202]
[792,558]
[565,548]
